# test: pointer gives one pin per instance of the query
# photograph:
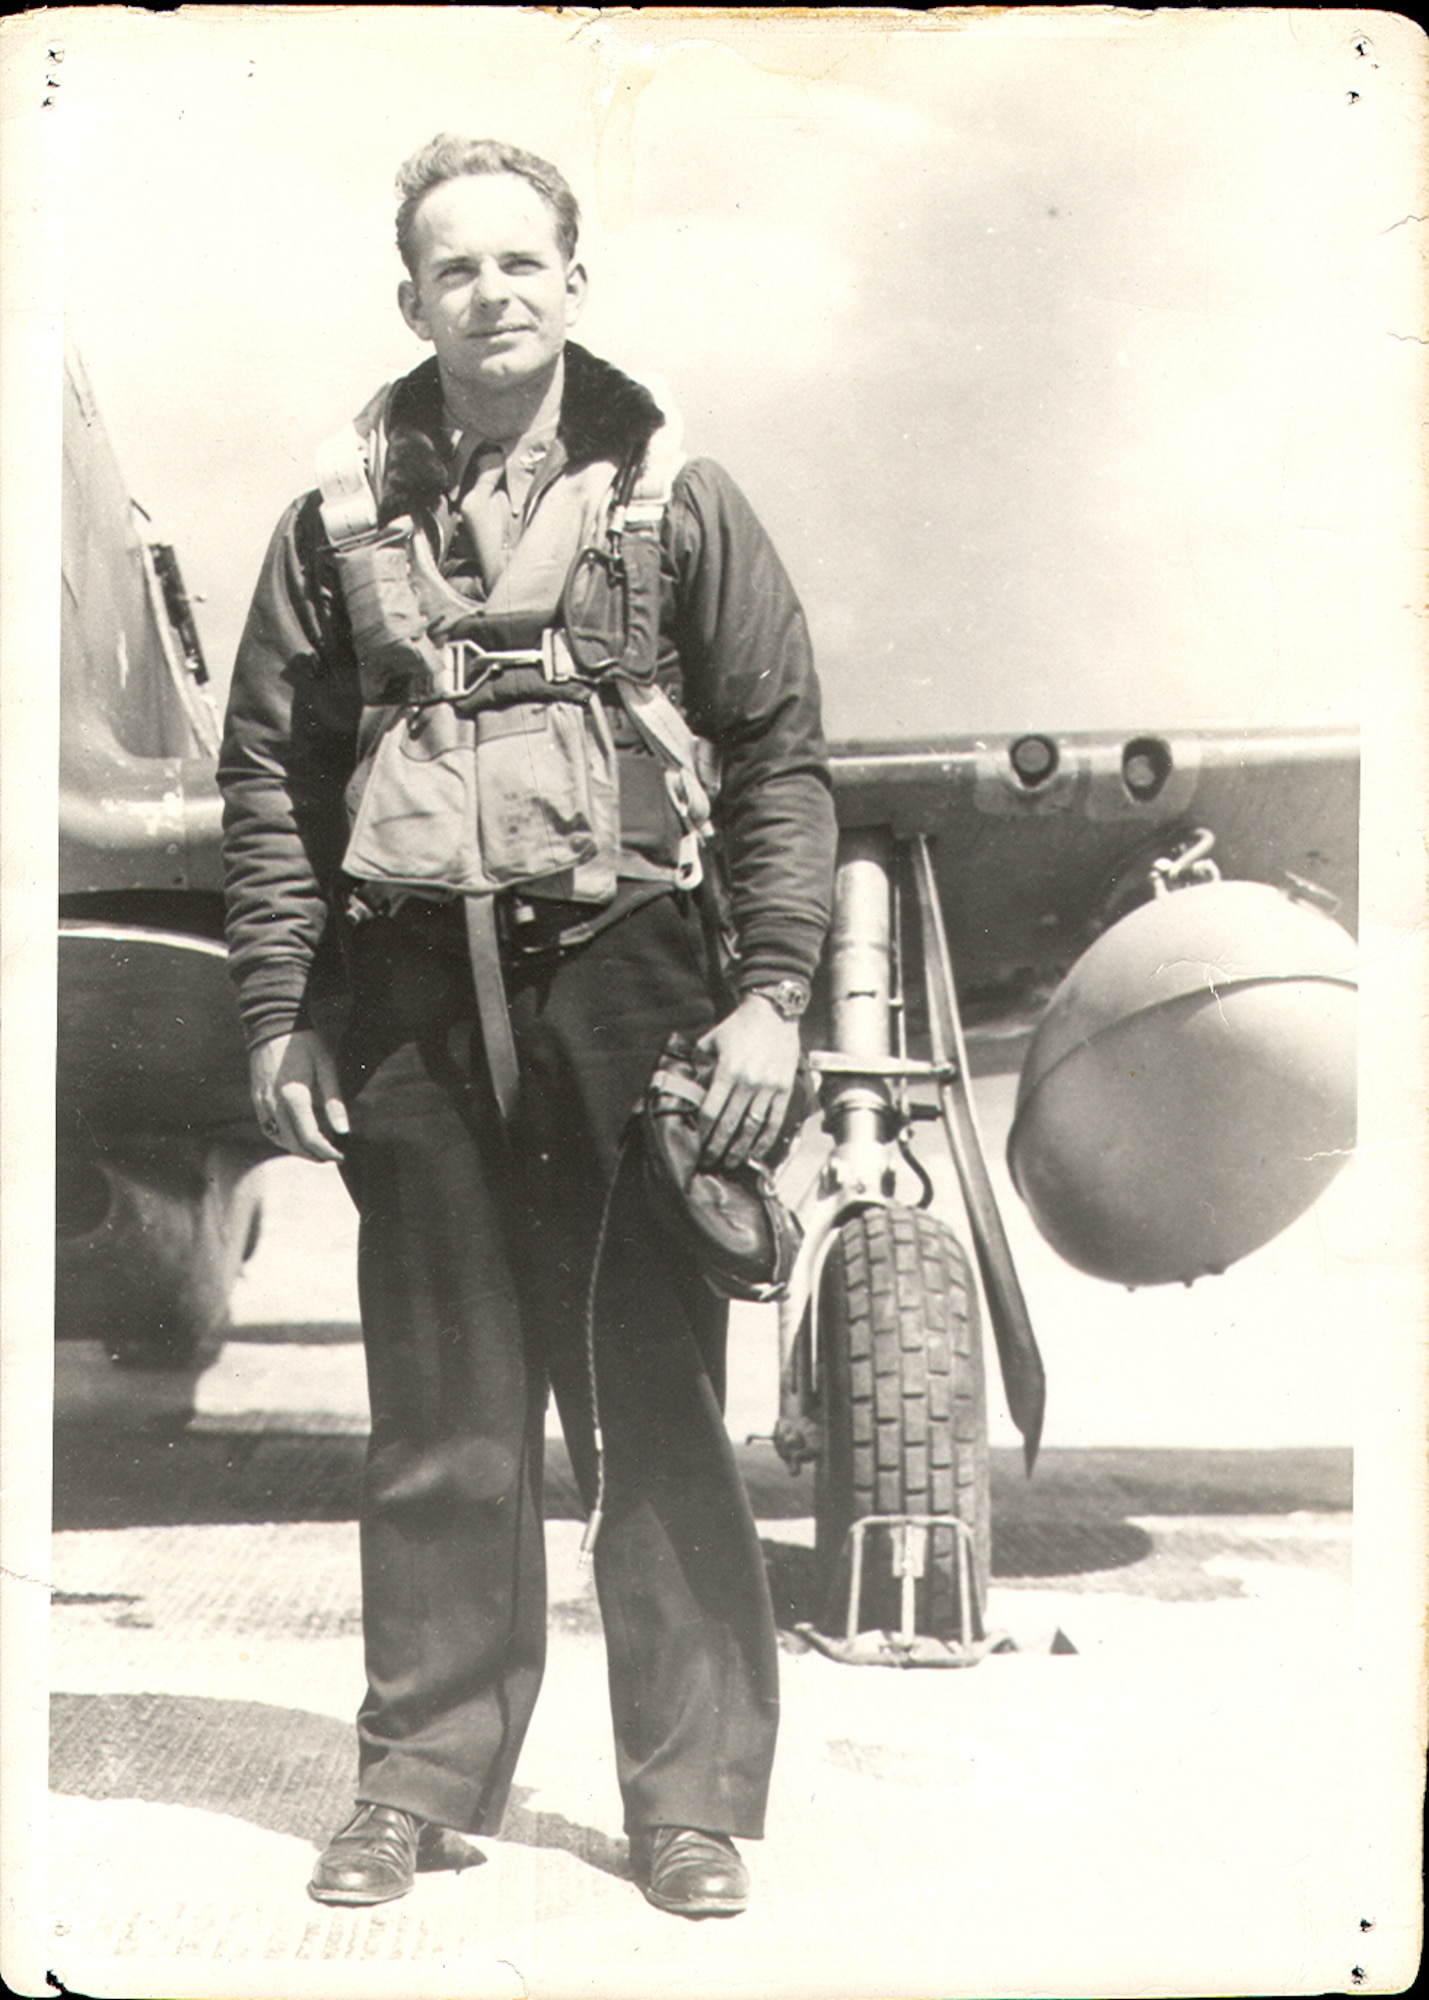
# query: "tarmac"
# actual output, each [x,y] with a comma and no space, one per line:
[1150,1792]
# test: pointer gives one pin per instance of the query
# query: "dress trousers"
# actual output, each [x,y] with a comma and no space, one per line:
[476,1251]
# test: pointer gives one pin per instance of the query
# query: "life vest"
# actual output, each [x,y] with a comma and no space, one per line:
[522,742]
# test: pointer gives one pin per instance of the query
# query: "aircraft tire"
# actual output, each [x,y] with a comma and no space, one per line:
[904,1412]
[147,1260]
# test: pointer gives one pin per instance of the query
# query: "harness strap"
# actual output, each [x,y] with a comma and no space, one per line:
[644,505]
[349,505]
[688,761]
[484,951]
[670,737]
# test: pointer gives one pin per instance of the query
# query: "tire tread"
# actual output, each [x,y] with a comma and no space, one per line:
[904,1409]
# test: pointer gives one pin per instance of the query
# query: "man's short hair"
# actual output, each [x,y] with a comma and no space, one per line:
[448,157]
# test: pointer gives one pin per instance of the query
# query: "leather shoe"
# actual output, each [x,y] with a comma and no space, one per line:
[688,1872]
[369,1860]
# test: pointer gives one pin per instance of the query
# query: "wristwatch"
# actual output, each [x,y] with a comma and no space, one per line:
[788,997]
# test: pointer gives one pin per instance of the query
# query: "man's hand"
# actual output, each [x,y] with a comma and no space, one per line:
[296,1096]
[758,1053]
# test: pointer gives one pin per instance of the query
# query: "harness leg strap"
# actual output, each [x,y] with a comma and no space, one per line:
[484,950]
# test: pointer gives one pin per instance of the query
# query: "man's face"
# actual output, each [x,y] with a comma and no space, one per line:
[492,290]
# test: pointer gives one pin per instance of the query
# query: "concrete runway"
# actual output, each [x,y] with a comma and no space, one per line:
[1166,1807]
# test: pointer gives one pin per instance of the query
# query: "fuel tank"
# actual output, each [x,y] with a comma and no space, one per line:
[1191,1088]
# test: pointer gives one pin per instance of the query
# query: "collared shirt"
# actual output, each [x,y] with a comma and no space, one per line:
[490,483]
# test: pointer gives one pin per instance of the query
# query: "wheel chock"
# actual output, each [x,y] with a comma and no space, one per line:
[907,1647]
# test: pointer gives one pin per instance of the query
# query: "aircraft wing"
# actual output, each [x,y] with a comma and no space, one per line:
[1040,842]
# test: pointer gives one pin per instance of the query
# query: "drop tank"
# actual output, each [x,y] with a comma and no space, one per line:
[1191,1088]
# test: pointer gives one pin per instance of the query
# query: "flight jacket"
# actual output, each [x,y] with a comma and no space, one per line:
[734,656]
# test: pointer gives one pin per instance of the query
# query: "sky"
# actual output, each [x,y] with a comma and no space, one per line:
[1057,351]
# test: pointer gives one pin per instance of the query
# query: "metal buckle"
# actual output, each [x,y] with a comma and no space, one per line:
[469,663]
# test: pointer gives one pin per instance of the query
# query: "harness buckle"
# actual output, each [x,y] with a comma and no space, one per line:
[469,664]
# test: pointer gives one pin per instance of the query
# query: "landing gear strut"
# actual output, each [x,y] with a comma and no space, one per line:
[881,1382]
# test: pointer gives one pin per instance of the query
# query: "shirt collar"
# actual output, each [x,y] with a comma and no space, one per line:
[522,456]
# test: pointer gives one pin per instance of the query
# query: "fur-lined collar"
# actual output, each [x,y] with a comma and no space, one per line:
[604,414]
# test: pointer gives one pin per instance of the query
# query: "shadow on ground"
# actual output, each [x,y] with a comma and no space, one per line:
[1079,1515]
[1063,1549]
[282,1769]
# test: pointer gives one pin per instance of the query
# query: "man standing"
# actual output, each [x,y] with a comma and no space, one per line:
[508,605]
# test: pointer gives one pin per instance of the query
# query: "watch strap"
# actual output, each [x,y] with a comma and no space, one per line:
[788,997]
